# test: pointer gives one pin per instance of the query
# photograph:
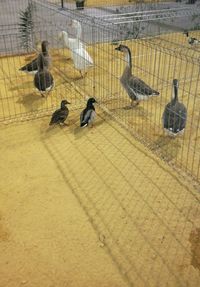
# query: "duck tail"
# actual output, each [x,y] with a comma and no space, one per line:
[155,93]
[83,124]
[22,68]
[51,123]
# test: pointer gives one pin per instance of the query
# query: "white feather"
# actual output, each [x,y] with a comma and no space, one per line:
[82,60]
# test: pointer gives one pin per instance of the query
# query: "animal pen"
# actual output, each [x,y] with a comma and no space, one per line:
[137,186]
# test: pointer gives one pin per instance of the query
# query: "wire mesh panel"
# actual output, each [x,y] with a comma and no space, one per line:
[19,98]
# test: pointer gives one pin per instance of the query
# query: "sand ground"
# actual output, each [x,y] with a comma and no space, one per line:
[92,207]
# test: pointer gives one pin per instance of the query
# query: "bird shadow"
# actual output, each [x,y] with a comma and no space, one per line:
[29,100]
[48,131]
[139,111]
[79,132]
[25,85]
[167,146]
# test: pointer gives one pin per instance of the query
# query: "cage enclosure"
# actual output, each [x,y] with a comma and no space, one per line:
[106,195]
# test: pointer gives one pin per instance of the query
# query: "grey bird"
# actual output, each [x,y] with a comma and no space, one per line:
[43,79]
[32,67]
[191,40]
[87,116]
[136,88]
[175,114]
[60,115]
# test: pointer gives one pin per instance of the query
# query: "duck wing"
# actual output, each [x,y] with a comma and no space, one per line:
[174,117]
[87,116]
[33,65]
[139,87]
[30,67]
[58,116]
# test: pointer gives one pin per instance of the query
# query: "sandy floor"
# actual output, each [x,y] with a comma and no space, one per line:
[92,207]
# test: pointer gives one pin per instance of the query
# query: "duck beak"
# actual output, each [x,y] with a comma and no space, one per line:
[59,36]
[68,103]
[118,48]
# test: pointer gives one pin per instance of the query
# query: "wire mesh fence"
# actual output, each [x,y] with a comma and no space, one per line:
[130,205]
[160,52]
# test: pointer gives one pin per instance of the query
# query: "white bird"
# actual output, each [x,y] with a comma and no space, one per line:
[82,60]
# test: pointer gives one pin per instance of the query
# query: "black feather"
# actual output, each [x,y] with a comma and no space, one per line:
[60,115]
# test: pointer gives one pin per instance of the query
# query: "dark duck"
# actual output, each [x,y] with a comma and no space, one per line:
[87,116]
[32,67]
[191,40]
[136,88]
[175,114]
[60,115]
[43,79]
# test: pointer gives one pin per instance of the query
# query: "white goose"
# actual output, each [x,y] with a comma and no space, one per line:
[82,60]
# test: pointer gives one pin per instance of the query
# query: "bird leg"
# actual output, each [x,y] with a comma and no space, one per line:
[81,73]
[134,103]
[63,124]
[43,95]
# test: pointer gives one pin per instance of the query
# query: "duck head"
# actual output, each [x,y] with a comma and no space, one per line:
[60,35]
[91,101]
[44,45]
[175,83]
[127,52]
[122,48]
[64,102]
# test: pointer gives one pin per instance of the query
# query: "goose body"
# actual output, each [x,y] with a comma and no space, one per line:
[81,59]
[88,115]
[60,115]
[136,88]
[175,114]
[43,80]
[32,67]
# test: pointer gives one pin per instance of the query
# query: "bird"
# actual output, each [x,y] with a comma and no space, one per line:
[43,80]
[87,116]
[175,114]
[60,115]
[32,67]
[136,88]
[81,59]
[191,40]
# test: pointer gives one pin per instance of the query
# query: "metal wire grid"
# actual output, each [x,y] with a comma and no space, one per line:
[149,258]
[157,60]
[143,223]
[19,99]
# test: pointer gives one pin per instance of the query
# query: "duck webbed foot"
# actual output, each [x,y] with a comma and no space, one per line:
[83,74]
[134,103]
[63,124]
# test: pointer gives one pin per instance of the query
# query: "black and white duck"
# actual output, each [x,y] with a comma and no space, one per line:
[60,115]
[87,116]
[191,40]
[136,88]
[175,113]
[32,67]
[43,79]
